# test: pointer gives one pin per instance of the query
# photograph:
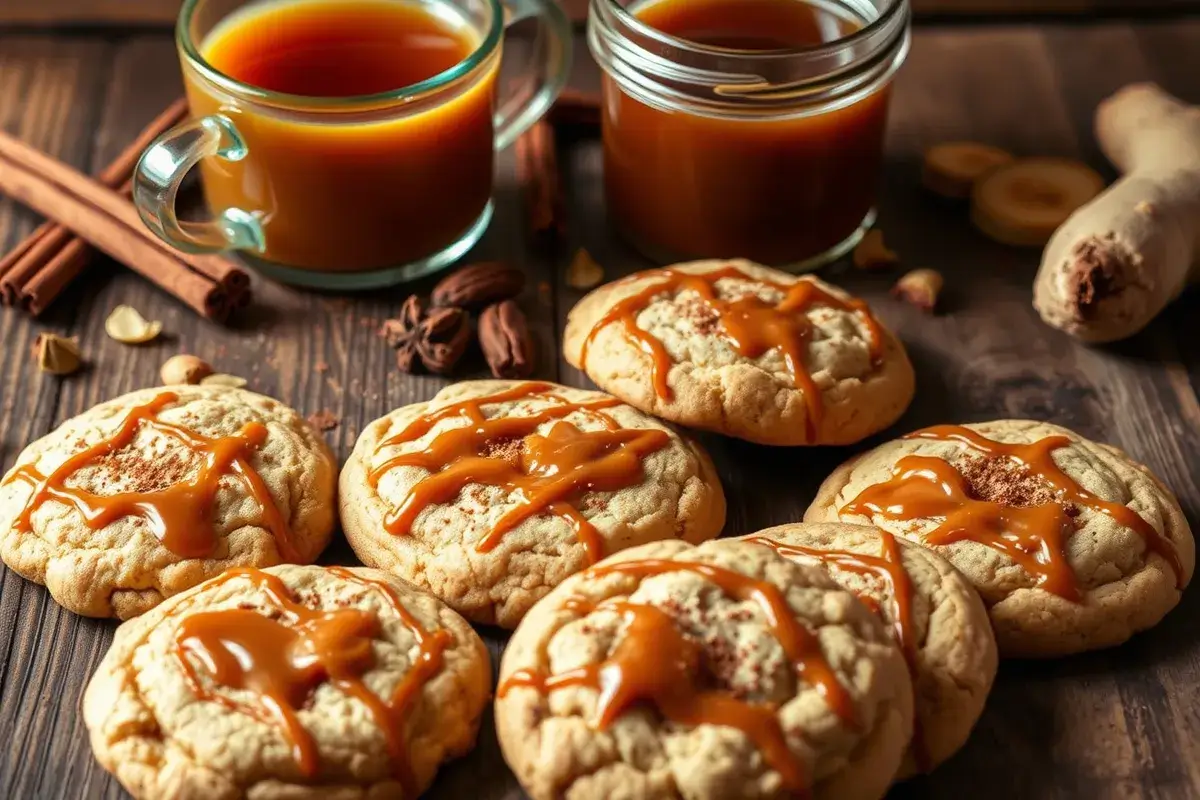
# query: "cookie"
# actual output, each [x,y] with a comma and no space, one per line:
[149,494]
[932,612]
[495,491]
[743,350]
[1072,545]
[717,671]
[288,682]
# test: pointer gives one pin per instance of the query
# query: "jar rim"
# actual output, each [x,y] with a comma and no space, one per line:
[673,72]
[868,30]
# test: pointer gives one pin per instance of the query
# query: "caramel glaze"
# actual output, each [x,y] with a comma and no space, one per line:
[179,515]
[1033,536]
[654,662]
[542,471]
[752,325]
[282,658]
[887,567]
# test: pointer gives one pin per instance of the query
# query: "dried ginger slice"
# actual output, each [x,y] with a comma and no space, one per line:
[1024,202]
[952,169]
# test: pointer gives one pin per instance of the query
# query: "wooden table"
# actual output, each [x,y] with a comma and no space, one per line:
[1123,723]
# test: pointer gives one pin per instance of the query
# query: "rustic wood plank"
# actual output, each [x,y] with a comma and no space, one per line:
[163,13]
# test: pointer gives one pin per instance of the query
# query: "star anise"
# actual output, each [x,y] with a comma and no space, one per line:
[433,337]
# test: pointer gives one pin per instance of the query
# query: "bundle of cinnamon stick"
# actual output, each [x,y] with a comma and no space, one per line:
[83,213]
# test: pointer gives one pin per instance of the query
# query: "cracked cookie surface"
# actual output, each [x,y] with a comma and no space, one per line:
[1092,575]
[167,726]
[270,497]
[727,671]
[472,543]
[934,614]
[861,378]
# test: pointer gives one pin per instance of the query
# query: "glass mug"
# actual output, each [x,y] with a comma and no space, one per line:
[349,192]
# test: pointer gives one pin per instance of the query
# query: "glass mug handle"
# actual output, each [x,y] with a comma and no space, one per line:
[532,96]
[162,169]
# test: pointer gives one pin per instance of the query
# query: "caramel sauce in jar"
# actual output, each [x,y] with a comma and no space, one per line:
[707,165]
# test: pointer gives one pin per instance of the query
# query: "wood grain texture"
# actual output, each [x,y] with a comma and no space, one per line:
[1117,724]
[164,12]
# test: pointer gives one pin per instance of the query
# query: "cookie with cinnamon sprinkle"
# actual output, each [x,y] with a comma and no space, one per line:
[743,350]
[153,492]
[709,672]
[288,682]
[934,615]
[493,492]
[1072,545]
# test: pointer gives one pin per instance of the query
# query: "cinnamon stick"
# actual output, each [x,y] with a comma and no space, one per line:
[51,259]
[575,107]
[537,172]
[46,262]
[108,221]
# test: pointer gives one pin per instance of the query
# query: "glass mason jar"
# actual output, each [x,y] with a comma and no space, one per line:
[772,155]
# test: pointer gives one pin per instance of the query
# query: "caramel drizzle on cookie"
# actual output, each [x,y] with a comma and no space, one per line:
[281,655]
[752,325]
[1032,534]
[541,471]
[889,569]
[655,662]
[179,515]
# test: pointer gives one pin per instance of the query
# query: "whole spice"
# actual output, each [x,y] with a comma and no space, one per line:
[109,222]
[184,368]
[127,326]
[478,285]
[57,355]
[436,338]
[584,272]
[45,262]
[920,288]
[538,174]
[221,379]
[505,340]
[872,254]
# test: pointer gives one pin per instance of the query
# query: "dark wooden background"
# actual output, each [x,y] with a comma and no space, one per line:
[163,12]
[1123,723]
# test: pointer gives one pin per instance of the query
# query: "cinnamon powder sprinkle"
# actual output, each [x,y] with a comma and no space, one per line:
[1001,480]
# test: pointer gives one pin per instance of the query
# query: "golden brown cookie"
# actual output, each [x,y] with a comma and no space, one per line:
[717,671]
[153,492]
[743,350]
[289,682]
[494,491]
[1072,545]
[933,613]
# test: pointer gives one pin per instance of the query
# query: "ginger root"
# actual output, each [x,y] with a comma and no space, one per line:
[1118,261]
